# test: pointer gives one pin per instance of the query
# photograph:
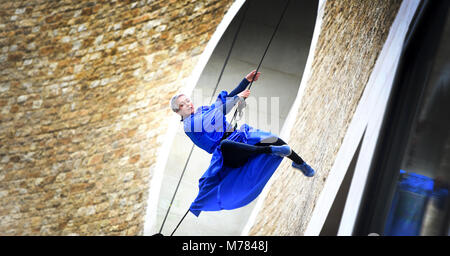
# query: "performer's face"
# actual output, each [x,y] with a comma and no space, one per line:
[185,105]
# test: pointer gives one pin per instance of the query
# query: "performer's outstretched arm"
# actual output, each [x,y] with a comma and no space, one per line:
[240,91]
[244,83]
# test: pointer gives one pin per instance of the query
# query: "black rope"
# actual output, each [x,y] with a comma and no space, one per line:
[179,223]
[176,189]
[264,55]
[229,51]
[215,89]
[270,41]
[212,95]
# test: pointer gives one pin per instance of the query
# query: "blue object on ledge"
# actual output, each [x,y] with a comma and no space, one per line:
[408,206]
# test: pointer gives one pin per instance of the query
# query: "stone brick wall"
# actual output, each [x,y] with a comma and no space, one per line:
[352,35]
[84,91]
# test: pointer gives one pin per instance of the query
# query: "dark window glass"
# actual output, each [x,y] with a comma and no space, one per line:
[407,192]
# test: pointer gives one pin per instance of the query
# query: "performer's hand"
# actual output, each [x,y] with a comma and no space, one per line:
[249,77]
[245,93]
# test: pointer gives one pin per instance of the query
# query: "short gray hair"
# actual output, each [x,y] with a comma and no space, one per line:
[174,104]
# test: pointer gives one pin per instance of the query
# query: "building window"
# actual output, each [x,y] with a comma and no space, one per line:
[407,192]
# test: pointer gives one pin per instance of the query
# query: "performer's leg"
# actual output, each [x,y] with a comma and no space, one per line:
[293,156]
[236,154]
[297,161]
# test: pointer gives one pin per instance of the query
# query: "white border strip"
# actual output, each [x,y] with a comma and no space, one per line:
[290,119]
[164,151]
[382,78]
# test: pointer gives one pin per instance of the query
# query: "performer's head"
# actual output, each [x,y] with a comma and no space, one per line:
[182,105]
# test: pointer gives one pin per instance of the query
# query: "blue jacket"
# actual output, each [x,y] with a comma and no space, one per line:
[222,187]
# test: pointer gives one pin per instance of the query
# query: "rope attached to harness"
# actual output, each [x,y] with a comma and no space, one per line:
[241,105]
[239,109]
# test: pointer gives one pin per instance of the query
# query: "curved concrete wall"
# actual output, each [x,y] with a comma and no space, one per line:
[351,37]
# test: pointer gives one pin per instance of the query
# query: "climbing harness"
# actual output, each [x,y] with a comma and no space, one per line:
[240,106]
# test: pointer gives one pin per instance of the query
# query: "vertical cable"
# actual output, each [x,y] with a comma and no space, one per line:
[264,55]
[214,92]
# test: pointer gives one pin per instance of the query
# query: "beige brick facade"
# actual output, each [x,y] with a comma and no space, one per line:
[84,91]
